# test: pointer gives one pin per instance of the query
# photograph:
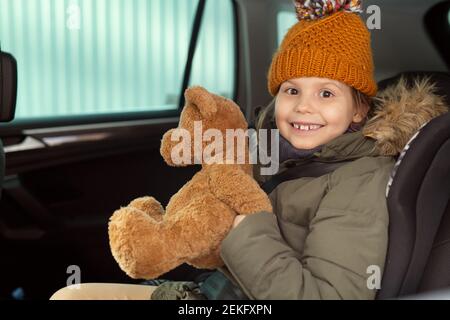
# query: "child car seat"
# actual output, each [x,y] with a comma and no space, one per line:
[418,204]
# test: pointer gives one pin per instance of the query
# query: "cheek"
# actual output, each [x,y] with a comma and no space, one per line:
[337,116]
[280,113]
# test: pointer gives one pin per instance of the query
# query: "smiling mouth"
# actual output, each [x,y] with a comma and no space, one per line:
[306,127]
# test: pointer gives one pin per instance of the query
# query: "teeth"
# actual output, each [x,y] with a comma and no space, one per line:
[306,127]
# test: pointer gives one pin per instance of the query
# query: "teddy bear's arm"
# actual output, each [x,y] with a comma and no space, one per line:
[230,184]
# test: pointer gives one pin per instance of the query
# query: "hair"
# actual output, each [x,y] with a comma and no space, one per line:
[265,118]
[363,103]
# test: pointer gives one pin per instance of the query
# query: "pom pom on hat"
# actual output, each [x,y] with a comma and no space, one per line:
[316,9]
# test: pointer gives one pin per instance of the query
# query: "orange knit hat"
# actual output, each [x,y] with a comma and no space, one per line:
[329,41]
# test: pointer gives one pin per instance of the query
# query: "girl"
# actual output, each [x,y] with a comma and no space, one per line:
[329,236]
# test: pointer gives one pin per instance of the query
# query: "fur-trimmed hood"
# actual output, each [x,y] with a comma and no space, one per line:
[400,110]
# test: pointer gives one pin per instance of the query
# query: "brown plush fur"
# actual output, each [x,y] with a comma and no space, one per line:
[148,241]
[400,111]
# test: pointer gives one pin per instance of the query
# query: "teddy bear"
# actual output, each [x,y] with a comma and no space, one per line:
[147,240]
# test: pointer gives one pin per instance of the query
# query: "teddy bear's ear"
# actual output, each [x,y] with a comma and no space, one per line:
[202,99]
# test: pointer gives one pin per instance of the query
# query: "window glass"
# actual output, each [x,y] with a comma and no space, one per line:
[285,20]
[97,56]
[214,62]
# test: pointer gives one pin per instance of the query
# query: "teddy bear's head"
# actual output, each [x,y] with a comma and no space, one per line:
[211,127]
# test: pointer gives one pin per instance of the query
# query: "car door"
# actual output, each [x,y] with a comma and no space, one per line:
[99,82]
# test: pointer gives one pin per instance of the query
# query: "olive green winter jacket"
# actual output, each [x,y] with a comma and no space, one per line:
[326,233]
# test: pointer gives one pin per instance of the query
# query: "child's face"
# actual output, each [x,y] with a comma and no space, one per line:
[325,105]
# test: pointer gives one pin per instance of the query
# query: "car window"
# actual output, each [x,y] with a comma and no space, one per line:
[84,57]
[285,20]
[215,58]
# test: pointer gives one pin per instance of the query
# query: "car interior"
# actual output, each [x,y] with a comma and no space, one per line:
[67,165]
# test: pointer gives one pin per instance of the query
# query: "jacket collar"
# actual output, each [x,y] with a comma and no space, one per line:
[348,146]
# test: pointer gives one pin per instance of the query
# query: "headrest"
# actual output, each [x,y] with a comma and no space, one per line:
[8,86]
[441,79]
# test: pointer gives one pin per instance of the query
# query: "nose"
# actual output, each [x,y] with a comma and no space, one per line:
[304,105]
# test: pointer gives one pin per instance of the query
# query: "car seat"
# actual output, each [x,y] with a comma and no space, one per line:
[418,256]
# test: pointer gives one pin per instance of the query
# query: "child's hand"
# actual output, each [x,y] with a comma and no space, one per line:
[238,220]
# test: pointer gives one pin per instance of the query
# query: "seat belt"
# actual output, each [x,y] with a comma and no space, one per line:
[310,169]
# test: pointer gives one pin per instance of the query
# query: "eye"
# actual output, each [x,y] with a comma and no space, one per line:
[291,91]
[326,94]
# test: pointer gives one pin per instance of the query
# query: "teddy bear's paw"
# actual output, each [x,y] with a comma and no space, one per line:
[258,204]
[149,206]
[140,245]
